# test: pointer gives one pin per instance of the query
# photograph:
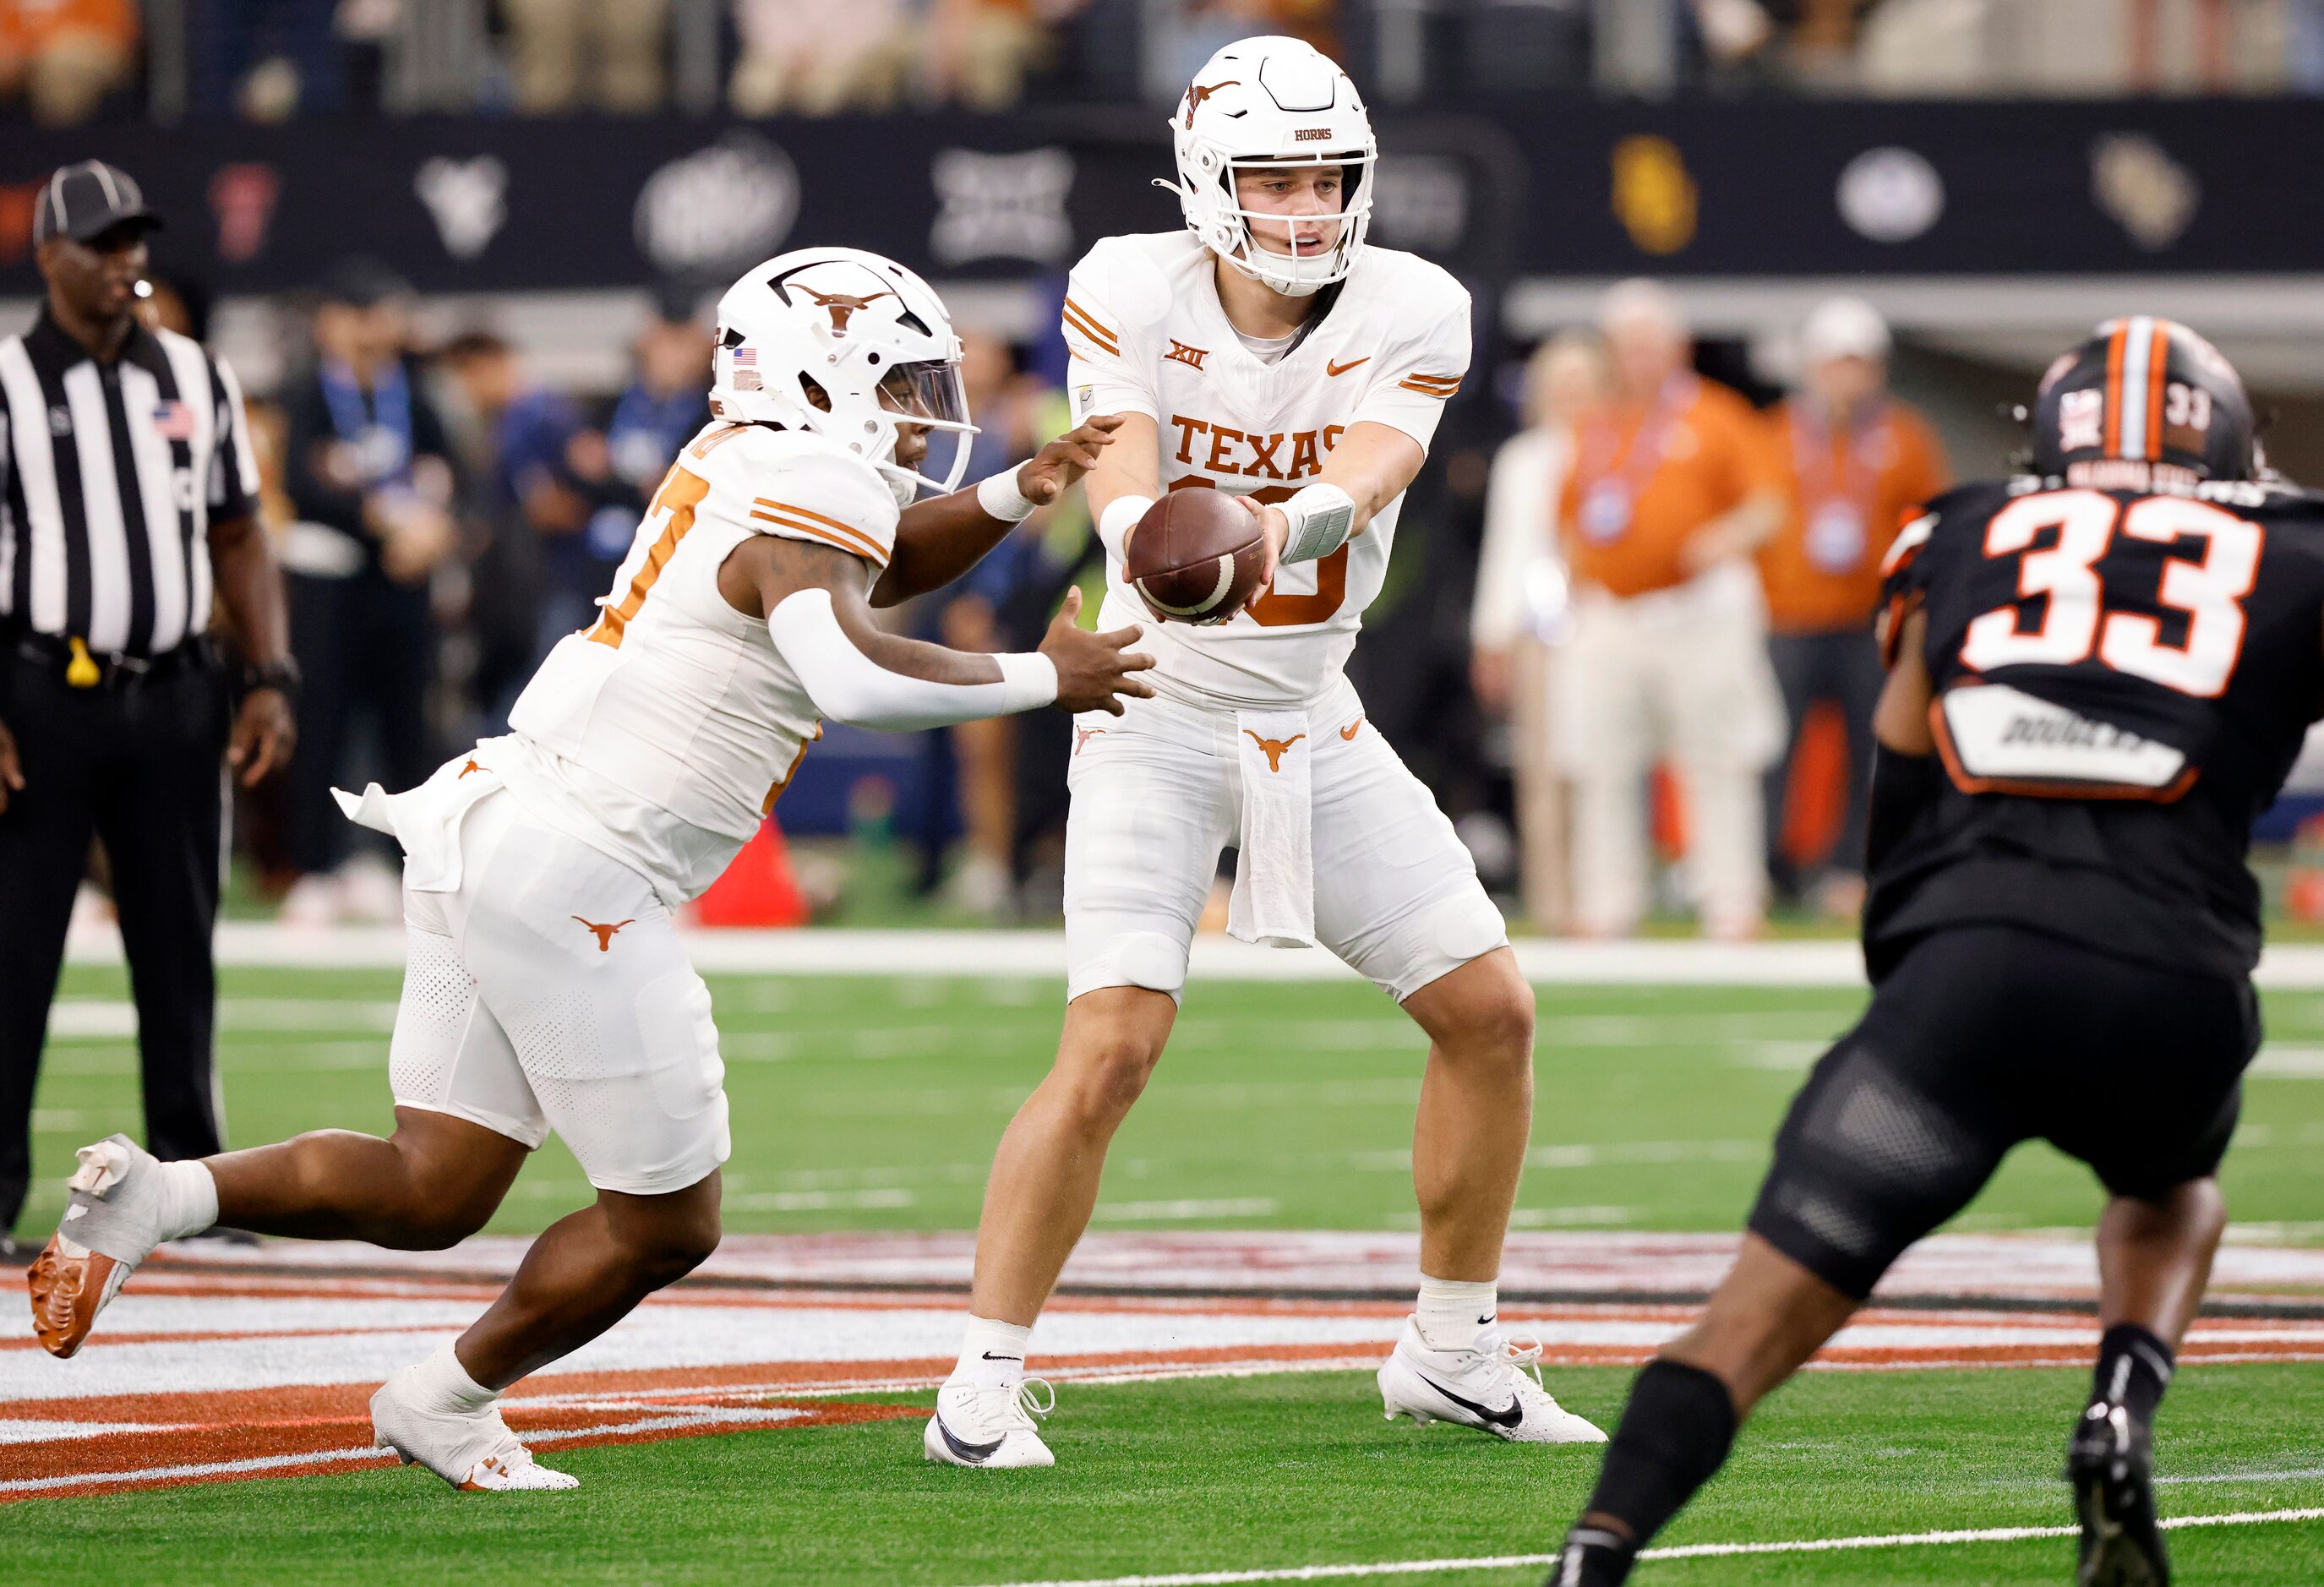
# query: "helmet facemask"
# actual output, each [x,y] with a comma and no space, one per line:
[1228,226]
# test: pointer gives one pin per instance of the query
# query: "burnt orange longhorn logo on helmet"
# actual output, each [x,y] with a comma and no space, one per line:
[605,933]
[841,307]
[1196,92]
[1274,748]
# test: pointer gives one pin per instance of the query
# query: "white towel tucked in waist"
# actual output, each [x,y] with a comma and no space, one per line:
[1274,901]
[425,821]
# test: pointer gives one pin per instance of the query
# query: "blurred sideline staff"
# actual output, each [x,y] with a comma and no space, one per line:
[1855,461]
[129,486]
[369,474]
[1520,609]
[1671,492]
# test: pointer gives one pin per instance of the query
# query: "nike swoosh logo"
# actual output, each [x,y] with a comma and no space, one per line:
[990,1357]
[1508,1415]
[1332,368]
[976,1454]
[1485,1322]
[1349,732]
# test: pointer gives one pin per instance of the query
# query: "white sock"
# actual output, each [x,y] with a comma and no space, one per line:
[1451,1314]
[992,1352]
[188,1198]
[440,1383]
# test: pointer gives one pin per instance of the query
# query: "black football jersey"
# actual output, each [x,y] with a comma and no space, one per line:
[2123,681]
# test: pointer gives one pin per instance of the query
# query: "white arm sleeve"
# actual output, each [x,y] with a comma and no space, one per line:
[848,686]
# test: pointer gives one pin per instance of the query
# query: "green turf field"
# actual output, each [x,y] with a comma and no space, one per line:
[867,1103]
[1240,1475]
[862,1104]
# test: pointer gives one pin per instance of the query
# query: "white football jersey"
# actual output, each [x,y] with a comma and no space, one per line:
[1147,335]
[663,733]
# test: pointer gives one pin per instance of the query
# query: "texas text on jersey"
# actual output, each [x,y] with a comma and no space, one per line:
[1147,335]
[2123,681]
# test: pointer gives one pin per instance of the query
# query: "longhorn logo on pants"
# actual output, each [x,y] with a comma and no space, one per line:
[605,933]
[1274,747]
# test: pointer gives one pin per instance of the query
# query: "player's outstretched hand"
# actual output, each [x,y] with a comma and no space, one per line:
[1045,476]
[1276,527]
[1093,668]
[12,772]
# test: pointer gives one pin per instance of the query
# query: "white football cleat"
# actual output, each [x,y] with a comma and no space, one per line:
[474,1451]
[112,1223]
[990,1425]
[1495,1388]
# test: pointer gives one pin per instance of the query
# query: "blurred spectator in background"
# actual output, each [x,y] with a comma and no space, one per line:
[590,54]
[1672,490]
[370,476]
[988,610]
[668,399]
[1854,461]
[63,57]
[819,57]
[266,60]
[978,50]
[1521,603]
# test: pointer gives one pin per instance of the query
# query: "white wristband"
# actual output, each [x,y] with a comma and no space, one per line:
[1321,517]
[999,498]
[1028,679]
[1120,516]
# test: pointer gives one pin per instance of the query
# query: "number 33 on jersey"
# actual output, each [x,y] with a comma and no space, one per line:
[2089,643]
[1147,335]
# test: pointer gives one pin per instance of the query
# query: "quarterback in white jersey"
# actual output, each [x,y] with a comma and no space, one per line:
[1267,352]
[546,986]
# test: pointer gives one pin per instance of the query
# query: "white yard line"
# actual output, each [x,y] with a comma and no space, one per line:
[1420,1567]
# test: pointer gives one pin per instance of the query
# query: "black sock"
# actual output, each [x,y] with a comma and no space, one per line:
[2134,1368]
[1674,1434]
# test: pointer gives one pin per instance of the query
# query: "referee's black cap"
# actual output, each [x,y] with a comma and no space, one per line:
[85,201]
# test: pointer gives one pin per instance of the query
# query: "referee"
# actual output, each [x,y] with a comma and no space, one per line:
[128,508]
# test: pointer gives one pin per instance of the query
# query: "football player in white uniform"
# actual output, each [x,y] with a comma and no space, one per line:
[1267,352]
[546,987]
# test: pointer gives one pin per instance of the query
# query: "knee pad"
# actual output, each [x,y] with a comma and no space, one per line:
[1466,926]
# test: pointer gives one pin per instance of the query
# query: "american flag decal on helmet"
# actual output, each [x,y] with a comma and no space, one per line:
[173,420]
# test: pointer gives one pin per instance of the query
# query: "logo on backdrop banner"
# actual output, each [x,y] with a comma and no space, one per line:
[718,209]
[1001,206]
[2145,191]
[468,200]
[1890,195]
[1420,201]
[1653,196]
[243,197]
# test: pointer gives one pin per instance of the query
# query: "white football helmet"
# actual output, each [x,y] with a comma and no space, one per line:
[871,337]
[1272,101]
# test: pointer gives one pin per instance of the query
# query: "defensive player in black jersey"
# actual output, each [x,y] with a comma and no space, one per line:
[2099,673]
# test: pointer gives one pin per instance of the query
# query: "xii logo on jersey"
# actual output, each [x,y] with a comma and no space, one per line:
[1180,353]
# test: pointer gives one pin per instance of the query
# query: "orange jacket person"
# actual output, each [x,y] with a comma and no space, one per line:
[1671,489]
[1855,462]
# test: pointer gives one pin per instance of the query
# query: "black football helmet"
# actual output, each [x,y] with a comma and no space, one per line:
[2142,401]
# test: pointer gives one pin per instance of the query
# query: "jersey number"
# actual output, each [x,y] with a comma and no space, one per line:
[681,492]
[2209,590]
[1277,609]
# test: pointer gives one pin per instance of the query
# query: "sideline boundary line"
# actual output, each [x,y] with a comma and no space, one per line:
[1418,1567]
[1834,962]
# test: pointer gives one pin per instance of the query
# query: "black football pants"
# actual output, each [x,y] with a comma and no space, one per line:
[142,770]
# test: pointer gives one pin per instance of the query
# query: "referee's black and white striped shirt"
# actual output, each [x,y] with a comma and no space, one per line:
[110,478]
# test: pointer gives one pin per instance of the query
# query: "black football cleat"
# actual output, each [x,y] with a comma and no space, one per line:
[2110,1462]
[1592,1557]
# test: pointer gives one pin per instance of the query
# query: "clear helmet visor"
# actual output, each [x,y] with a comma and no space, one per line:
[933,431]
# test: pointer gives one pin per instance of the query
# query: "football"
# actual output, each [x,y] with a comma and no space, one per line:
[1196,557]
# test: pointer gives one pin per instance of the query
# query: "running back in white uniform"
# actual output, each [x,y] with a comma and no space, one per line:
[1159,791]
[546,984]
[1147,335]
